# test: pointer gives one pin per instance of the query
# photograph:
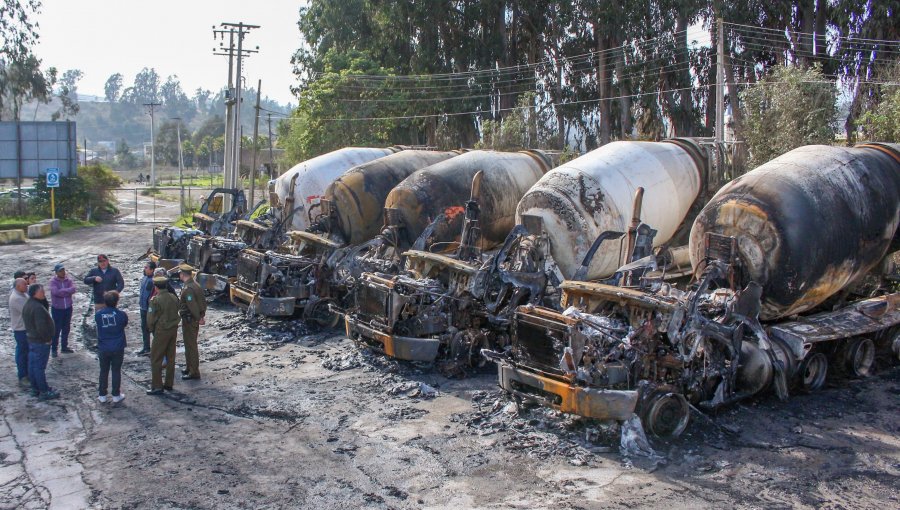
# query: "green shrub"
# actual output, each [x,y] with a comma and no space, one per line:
[88,195]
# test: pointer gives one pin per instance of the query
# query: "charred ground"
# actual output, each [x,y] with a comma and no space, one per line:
[289,416]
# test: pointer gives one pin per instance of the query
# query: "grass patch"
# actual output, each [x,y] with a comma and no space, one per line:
[185,220]
[22,223]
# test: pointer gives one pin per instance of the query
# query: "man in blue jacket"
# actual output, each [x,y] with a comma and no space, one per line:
[144,301]
[111,323]
[103,278]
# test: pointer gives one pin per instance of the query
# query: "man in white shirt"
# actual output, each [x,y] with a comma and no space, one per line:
[17,299]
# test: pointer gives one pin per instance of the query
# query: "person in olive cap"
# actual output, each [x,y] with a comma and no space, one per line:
[103,278]
[162,320]
[193,314]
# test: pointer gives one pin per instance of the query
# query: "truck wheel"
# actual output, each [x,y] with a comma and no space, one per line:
[859,357]
[812,371]
[667,415]
[318,312]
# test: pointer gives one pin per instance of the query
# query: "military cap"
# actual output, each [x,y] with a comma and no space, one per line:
[185,268]
[160,280]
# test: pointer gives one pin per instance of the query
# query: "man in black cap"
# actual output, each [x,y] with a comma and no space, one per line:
[193,314]
[103,278]
[162,319]
[39,328]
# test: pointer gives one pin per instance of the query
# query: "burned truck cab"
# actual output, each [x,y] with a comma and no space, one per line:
[171,244]
[216,257]
[308,272]
[447,307]
[593,358]
[295,276]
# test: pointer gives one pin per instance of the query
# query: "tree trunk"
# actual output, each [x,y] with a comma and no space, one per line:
[821,20]
[807,13]
[625,121]
[603,83]
[737,117]
[686,110]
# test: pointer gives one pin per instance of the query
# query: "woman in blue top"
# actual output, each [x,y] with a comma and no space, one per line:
[111,323]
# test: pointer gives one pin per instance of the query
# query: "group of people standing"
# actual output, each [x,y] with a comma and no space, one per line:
[161,312]
[41,327]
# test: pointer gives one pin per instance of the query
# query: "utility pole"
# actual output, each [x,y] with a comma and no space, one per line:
[720,82]
[152,105]
[720,96]
[255,145]
[180,162]
[233,103]
[271,156]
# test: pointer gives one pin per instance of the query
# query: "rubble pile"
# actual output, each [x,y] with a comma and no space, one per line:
[539,432]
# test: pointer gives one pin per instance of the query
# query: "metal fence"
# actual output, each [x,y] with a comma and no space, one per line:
[159,205]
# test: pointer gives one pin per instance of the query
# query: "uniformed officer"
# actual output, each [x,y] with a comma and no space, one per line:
[162,320]
[193,313]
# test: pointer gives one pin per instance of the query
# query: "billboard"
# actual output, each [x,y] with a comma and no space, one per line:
[33,147]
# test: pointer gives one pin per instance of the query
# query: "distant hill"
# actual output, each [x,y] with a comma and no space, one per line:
[99,120]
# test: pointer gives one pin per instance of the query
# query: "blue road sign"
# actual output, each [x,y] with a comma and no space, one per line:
[53,177]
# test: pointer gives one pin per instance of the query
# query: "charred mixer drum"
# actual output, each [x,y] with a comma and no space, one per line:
[808,223]
[358,195]
[579,200]
[441,191]
[305,183]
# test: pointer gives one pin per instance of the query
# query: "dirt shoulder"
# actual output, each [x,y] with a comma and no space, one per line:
[289,417]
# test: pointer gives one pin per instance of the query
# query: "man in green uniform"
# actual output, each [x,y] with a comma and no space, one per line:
[193,313]
[162,321]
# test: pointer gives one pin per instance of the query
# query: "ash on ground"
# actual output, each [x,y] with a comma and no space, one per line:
[537,431]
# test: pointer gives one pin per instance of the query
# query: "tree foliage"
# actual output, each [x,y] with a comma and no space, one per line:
[67,94]
[792,107]
[88,195]
[444,72]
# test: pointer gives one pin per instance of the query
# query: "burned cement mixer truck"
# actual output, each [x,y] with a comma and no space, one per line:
[447,307]
[442,222]
[293,199]
[794,279]
[300,274]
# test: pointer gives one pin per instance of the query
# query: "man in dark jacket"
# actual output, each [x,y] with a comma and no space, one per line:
[103,278]
[111,323]
[144,301]
[39,328]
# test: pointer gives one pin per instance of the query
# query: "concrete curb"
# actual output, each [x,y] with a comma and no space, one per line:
[39,230]
[15,236]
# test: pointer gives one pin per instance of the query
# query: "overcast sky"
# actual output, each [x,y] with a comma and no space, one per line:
[103,37]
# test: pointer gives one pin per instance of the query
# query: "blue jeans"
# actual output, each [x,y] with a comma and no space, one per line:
[21,353]
[145,331]
[38,356]
[111,360]
[62,318]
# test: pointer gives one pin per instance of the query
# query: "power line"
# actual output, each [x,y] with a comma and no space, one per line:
[782,31]
[517,68]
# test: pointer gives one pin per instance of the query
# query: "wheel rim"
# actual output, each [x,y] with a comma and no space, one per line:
[862,356]
[321,315]
[813,372]
[668,415]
